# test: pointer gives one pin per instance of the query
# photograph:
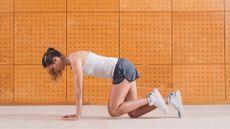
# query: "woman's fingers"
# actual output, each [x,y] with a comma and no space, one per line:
[66,116]
[70,117]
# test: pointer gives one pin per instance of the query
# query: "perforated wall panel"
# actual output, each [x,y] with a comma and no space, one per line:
[6,84]
[227,5]
[228,83]
[97,32]
[174,44]
[6,38]
[198,38]
[227,36]
[200,83]
[198,5]
[6,5]
[145,38]
[40,5]
[153,76]
[227,51]
[145,5]
[93,5]
[35,32]
[33,85]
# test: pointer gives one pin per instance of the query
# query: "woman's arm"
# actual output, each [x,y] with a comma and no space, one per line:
[78,84]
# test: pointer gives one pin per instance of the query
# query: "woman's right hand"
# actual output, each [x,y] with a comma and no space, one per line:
[71,117]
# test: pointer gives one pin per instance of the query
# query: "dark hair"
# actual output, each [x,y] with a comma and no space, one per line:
[47,58]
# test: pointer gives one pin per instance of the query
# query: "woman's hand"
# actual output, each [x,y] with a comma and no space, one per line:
[71,117]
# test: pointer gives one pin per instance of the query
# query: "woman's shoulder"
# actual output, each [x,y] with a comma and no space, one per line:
[79,55]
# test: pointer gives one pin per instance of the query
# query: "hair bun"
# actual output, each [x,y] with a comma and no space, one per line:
[50,49]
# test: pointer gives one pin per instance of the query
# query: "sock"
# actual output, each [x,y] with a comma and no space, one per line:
[148,99]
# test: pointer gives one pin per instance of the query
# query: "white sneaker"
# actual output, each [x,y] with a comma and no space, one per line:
[174,99]
[155,98]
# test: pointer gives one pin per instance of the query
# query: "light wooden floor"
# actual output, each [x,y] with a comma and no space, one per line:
[96,117]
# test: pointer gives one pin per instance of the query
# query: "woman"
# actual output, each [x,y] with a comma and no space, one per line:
[123,96]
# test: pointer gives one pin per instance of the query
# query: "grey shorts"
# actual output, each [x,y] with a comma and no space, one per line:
[124,70]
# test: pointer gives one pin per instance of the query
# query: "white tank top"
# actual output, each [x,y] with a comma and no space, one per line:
[99,66]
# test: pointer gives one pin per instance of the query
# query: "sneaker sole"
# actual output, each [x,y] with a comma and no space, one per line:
[179,100]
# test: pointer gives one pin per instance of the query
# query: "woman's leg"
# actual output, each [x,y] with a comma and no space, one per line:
[132,95]
[117,105]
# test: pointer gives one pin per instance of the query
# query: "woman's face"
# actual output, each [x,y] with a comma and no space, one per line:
[58,66]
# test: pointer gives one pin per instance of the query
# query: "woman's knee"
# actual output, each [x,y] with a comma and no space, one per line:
[114,112]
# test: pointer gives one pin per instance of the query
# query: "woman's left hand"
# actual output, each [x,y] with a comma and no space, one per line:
[71,117]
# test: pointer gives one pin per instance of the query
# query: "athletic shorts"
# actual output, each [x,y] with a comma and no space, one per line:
[124,69]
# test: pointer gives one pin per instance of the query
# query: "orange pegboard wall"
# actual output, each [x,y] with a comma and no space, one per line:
[40,5]
[34,32]
[198,38]
[93,5]
[227,52]
[200,83]
[33,85]
[145,5]
[145,38]
[6,38]
[153,76]
[227,5]
[97,32]
[6,84]
[6,5]
[227,36]
[173,43]
[96,90]
[227,82]
[6,52]
[198,5]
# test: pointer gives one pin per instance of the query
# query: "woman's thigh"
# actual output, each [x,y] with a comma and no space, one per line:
[118,94]
[132,93]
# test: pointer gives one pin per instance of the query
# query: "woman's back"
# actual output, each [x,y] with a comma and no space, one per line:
[98,65]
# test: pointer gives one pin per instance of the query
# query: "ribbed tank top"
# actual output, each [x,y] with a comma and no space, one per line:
[99,66]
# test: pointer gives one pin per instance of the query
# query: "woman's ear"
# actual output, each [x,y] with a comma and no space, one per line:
[54,59]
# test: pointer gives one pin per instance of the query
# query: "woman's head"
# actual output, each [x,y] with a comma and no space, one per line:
[54,62]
